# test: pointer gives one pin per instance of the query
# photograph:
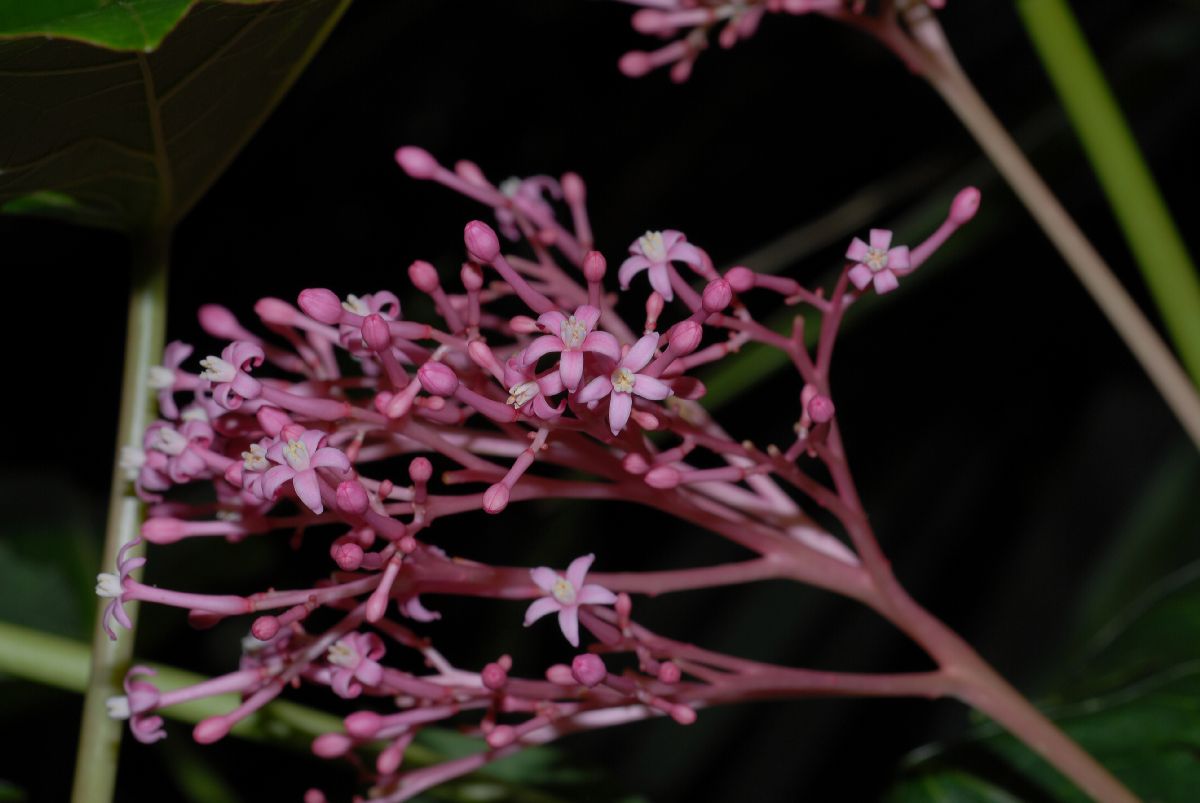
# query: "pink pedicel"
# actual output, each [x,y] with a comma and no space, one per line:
[526,384]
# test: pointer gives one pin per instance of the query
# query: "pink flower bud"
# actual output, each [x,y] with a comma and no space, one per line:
[471,277]
[274,310]
[423,276]
[821,409]
[482,243]
[495,498]
[588,669]
[560,675]
[965,205]
[623,606]
[321,305]
[740,279]
[662,477]
[375,333]
[163,530]
[523,324]
[363,724]
[352,497]
[219,322]
[717,296]
[635,64]
[420,469]
[437,379]
[272,420]
[315,796]
[668,672]
[682,714]
[686,337]
[210,730]
[390,758]
[494,676]
[594,266]
[417,162]
[265,628]
[654,306]
[471,172]
[573,189]
[501,736]
[634,463]
[348,557]
[332,745]
[651,21]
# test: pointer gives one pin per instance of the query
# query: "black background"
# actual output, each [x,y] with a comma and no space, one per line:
[999,430]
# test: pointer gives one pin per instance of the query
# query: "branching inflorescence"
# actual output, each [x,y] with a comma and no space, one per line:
[528,375]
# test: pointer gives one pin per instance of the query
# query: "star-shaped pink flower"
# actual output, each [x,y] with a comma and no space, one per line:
[571,336]
[625,382]
[877,262]
[652,252]
[355,661]
[298,459]
[564,594]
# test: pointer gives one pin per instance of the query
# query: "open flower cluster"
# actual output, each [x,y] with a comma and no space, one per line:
[686,25]
[527,373]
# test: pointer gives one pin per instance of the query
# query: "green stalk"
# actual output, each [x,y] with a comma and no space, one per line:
[1122,171]
[99,736]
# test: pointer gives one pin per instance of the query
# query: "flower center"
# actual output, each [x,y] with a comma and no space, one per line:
[168,441]
[256,458]
[296,454]
[519,395]
[877,259]
[355,305]
[108,585]
[653,247]
[572,332]
[217,370]
[563,591]
[622,380]
[342,654]
[160,377]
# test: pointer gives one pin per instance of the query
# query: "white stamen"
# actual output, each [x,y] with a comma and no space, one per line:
[356,305]
[194,412]
[876,259]
[296,454]
[572,332]
[519,395]
[652,246]
[217,370]
[108,585]
[563,591]
[168,441]
[131,462]
[510,186]
[255,459]
[342,653]
[118,707]
[622,380]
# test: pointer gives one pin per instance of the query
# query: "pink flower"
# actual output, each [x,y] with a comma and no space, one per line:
[528,392]
[355,657]
[167,378]
[230,376]
[877,262]
[653,252]
[625,382]
[383,303]
[527,194]
[564,594]
[112,586]
[298,459]
[137,705]
[573,336]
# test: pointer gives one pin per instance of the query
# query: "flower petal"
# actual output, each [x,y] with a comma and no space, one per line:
[629,268]
[857,250]
[544,578]
[568,620]
[881,239]
[328,457]
[541,607]
[570,368]
[898,258]
[885,282]
[274,478]
[861,276]
[686,252]
[619,407]
[595,390]
[650,388]
[552,321]
[602,343]
[595,595]
[587,315]
[546,344]
[308,489]
[578,570]
[660,280]
[642,352]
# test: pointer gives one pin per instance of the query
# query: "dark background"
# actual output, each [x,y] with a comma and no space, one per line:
[1002,436]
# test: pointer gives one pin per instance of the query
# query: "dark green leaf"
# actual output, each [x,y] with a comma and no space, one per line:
[131,141]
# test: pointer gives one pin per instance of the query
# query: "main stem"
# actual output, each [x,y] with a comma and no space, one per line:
[936,60]
[100,736]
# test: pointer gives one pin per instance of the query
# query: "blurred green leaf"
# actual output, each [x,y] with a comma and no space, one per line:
[10,792]
[131,140]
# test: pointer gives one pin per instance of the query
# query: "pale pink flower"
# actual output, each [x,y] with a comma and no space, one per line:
[653,252]
[112,587]
[355,657]
[167,378]
[229,373]
[625,382]
[877,262]
[138,705]
[298,459]
[572,336]
[529,392]
[564,594]
[527,194]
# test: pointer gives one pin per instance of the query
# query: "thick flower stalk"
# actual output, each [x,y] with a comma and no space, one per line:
[528,374]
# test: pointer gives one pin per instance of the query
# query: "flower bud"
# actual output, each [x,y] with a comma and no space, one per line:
[423,276]
[211,730]
[352,497]
[740,279]
[588,669]
[481,241]
[331,745]
[417,162]
[363,724]
[272,420]
[420,469]
[163,530]
[375,333]
[219,322]
[573,189]
[501,736]
[437,379]
[275,310]
[668,672]
[686,337]
[471,277]
[717,296]
[347,556]
[494,676]
[594,266]
[662,477]
[965,205]
[495,498]
[321,305]
[820,407]
[635,64]
[265,628]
